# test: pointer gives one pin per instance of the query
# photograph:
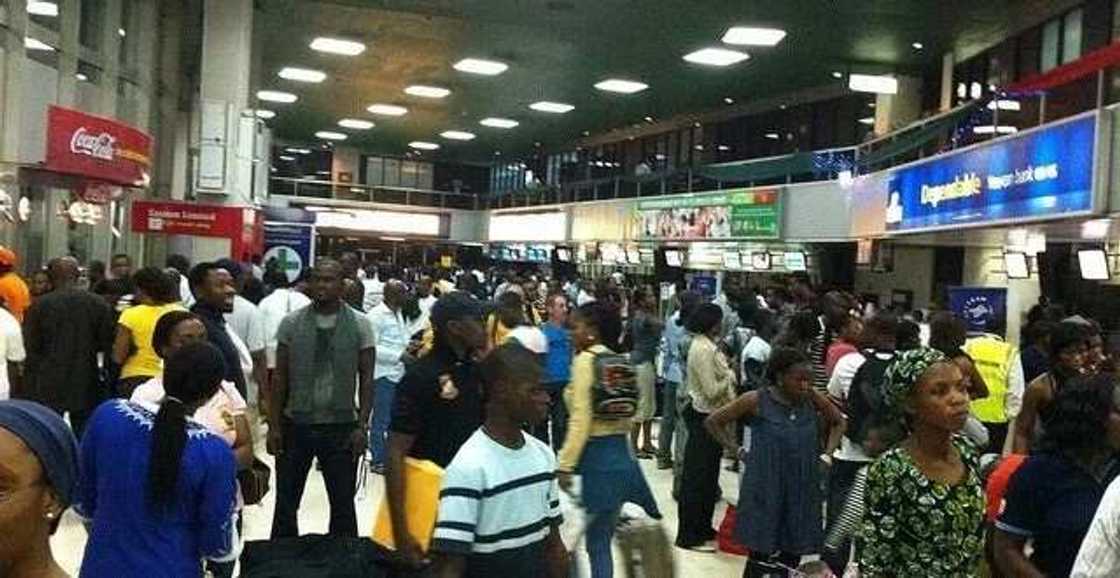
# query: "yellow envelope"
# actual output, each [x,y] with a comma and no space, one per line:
[422,481]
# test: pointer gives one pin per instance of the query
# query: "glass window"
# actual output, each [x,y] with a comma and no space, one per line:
[375,173]
[92,19]
[1115,20]
[1071,36]
[127,32]
[89,79]
[392,172]
[1051,35]
[425,176]
[44,13]
[408,174]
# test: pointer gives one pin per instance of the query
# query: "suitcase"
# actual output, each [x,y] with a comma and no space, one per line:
[645,548]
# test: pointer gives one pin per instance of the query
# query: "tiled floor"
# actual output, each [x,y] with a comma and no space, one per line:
[70,540]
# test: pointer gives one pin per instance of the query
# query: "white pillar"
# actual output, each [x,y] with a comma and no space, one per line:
[224,94]
[894,111]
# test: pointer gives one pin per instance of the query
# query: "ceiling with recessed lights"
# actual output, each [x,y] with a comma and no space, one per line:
[558,50]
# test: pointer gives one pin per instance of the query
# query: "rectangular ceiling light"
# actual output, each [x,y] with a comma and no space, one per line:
[1003,104]
[338,46]
[621,86]
[716,57]
[387,109]
[457,135]
[879,84]
[528,227]
[297,151]
[868,120]
[479,66]
[39,8]
[423,146]
[495,122]
[401,223]
[35,44]
[355,123]
[553,107]
[752,36]
[277,96]
[264,113]
[286,158]
[989,129]
[330,135]
[427,91]
[772,136]
[302,74]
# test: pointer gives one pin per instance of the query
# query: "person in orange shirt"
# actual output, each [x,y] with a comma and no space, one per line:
[13,290]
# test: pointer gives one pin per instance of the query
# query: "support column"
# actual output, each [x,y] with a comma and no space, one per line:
[894,111]
[11,110]
[947,88]
[227,46]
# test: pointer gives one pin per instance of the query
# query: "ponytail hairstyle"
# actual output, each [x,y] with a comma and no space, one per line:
[190,377]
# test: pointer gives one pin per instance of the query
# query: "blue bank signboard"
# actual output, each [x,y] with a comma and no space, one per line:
[289,246]
[1040,174]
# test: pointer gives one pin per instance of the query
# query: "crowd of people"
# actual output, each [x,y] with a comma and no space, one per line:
[872,439]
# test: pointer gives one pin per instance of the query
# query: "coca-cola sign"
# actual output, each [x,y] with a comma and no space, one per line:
[97,147]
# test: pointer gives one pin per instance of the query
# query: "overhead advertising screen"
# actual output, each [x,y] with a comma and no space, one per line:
[1045,173]
[730,214]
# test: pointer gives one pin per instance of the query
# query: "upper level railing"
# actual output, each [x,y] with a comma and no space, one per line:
[1091,82]
[316,189]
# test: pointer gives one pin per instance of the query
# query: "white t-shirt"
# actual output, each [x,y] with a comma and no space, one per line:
[838,387]
[11,348]
[374,292]
[530,338]
[273,309]
[509,496]
[247,323]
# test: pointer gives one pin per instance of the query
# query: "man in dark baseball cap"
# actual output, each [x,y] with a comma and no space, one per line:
[438,404]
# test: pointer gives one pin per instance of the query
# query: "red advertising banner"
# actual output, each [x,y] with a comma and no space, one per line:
[241,225]
[98,148]
[187,219]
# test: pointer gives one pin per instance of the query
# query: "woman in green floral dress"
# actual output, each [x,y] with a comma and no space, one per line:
[924,500]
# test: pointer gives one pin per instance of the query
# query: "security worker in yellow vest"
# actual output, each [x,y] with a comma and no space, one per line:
[999,364]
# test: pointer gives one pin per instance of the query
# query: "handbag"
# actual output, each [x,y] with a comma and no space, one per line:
[725,538]
[254,482]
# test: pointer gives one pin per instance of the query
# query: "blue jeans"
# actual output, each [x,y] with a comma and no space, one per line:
[599,534]
[384,391]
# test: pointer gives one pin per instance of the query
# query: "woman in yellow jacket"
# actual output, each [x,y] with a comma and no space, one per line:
[597,449]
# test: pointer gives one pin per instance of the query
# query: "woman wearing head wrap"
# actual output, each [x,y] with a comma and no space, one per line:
[38,471]
[925,501]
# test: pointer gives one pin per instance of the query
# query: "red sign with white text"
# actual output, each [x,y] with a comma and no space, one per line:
[241,225]
[187,219]
[98,148]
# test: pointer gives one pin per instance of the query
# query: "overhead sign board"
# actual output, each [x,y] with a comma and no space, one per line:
[289,247]
[1044,173]
[96,147]
[730,214]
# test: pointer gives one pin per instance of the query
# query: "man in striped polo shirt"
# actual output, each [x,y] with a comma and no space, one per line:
[499,509]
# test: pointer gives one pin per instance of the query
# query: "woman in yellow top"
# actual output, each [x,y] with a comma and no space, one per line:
[598,449]
[132,349]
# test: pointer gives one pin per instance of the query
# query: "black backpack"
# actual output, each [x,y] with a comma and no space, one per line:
[614,393]
[866,404]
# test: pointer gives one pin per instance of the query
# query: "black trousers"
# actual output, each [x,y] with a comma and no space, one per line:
[997,435]
[553,430]
[330,444]
[699,489]
[840,479]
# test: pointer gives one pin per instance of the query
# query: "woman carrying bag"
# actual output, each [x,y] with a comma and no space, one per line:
[597,448]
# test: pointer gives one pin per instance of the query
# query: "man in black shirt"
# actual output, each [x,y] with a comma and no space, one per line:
[64,332]
[214,291]
[438,404]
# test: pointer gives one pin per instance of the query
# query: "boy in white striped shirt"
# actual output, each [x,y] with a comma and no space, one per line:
[499,510]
